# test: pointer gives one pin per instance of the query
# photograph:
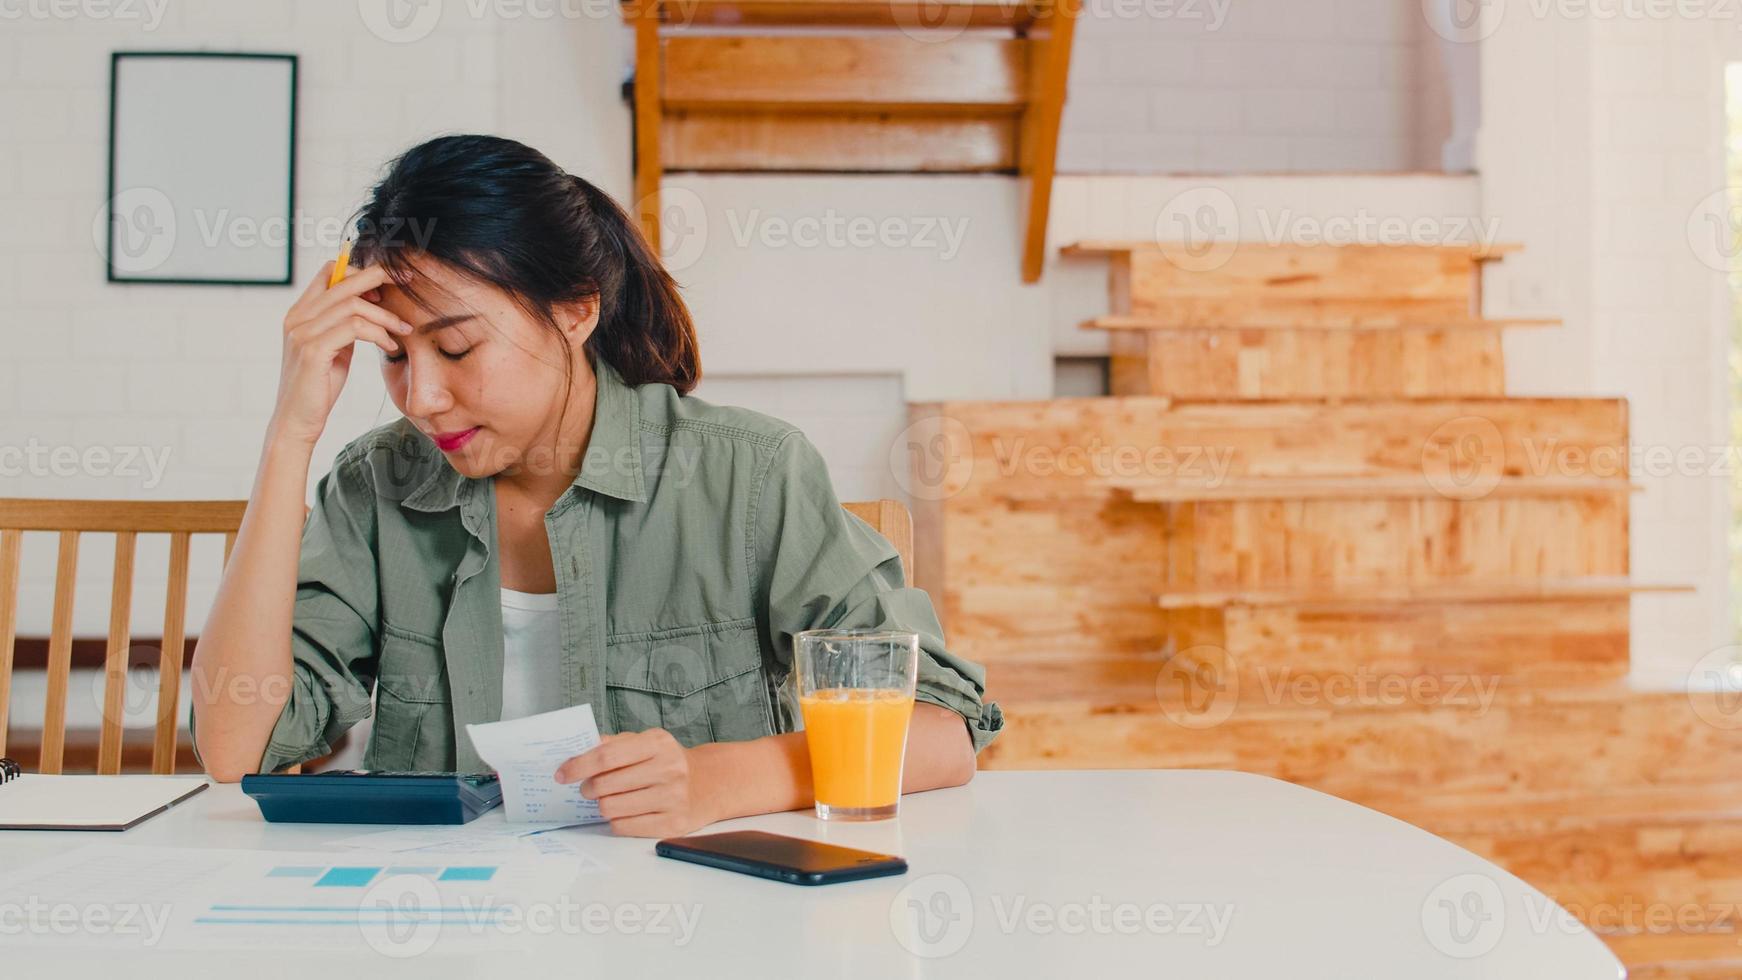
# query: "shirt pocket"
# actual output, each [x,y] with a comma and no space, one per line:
[700,683]
[414,722]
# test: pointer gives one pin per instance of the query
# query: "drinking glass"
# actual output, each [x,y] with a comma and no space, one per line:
[855,690]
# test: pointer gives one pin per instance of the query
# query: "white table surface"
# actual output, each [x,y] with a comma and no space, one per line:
[1018,874]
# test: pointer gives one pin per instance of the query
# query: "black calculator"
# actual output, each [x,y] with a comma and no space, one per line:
[354,796]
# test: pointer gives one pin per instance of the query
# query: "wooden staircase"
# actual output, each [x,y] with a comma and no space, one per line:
[849,86]
[1309,536]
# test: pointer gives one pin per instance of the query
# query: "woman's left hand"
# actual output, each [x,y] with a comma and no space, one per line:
[645,784]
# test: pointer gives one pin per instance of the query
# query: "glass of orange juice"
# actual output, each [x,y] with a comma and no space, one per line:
[855,689]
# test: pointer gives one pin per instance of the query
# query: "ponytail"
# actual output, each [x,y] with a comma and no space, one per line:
[504,214]
[644,330]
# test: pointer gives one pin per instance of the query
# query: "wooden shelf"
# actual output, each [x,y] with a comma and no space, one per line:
[1355,488]
[1109,246]
[1360,593]
[907,87]
[882,73]
[911,14]
[1378,323]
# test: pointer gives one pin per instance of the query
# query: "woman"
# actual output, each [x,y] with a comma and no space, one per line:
[553,522]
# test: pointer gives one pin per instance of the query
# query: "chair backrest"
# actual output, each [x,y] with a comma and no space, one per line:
[890,519]
[71,519]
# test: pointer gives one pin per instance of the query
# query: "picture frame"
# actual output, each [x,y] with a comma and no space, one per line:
[202,168]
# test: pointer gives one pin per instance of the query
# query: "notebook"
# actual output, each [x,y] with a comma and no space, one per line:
[30,801]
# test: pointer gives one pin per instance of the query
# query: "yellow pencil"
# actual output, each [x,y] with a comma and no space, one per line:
[342,265]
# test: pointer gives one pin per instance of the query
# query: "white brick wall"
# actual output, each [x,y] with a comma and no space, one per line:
[1601,139]
[1657,336]
[1252,86]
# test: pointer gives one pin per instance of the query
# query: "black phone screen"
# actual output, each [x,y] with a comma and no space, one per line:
[783,858]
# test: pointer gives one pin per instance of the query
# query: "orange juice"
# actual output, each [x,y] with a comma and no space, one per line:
[857,740]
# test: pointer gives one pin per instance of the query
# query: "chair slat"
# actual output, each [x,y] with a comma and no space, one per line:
[169,662]
[144,516]
[229,546]
[115,657]
[60,654]
[11,548]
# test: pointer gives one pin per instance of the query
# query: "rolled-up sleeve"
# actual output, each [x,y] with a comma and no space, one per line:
[333,645]
[819,567]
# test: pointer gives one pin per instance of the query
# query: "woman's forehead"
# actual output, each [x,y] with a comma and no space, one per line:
[439,290]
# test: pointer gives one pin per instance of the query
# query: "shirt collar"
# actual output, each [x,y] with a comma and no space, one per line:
[611,464]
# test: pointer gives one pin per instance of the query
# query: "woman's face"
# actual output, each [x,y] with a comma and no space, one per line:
[481,378]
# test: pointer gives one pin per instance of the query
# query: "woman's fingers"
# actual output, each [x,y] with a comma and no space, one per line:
[351,316]
[624,779]
[611,753]
[380,338]
[320,340]
[355,285]
[318,302]
[359,281]
[351,330]
[635,803]
[377,314]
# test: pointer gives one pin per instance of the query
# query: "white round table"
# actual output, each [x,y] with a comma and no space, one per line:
[1173,873]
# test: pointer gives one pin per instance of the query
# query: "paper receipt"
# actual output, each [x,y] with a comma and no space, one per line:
[526,752]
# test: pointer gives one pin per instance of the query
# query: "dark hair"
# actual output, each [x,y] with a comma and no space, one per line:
[503,213]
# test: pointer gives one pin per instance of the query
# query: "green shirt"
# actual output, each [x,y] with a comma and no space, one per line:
[695,542]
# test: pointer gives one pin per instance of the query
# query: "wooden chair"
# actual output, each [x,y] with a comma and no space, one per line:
[891,519]
[71,519]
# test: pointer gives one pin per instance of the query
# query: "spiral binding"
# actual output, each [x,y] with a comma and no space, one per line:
[10,770]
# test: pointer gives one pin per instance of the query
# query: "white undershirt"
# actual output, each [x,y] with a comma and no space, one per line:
[532,680]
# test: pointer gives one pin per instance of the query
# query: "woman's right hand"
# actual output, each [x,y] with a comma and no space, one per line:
[320,334]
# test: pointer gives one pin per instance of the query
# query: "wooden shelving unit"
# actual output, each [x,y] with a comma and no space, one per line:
[852,86]
[1309,488]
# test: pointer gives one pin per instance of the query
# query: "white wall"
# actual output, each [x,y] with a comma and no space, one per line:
[1602,147]
[1250,86]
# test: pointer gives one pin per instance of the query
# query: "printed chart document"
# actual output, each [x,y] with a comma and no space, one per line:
[526,752]
[142,897]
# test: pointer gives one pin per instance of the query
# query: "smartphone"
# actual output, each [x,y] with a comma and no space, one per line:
[793,860]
